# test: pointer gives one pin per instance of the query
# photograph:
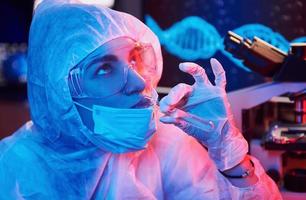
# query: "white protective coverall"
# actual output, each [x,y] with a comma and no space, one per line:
[50,157]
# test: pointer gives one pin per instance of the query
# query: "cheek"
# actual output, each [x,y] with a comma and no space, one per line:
[94,88]
[90,88]
[104,86]
[87,83]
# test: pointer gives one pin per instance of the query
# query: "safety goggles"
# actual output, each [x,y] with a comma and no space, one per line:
[108,66]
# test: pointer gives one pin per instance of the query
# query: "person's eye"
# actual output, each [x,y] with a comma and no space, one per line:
[103,69]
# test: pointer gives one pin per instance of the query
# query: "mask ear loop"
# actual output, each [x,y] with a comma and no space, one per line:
[81,105]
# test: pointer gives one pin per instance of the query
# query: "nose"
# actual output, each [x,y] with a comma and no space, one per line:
[135,83]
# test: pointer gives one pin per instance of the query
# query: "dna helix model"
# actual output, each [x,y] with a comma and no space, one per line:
[194,38]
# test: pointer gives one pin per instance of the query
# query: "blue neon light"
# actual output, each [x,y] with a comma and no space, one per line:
[194,38]
[300,39]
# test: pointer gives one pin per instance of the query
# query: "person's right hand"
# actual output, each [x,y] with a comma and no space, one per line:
[203,111]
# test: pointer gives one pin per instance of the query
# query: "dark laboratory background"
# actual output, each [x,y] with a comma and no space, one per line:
[283,16]
[281,23]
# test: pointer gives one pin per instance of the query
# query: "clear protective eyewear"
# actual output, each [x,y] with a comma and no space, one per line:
[108,66]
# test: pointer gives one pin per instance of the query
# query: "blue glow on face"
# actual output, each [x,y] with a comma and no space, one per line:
[194,38]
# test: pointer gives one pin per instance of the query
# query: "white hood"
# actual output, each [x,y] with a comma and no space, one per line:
[62,33]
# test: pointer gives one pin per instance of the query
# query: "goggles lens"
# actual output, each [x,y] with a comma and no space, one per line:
[104,72]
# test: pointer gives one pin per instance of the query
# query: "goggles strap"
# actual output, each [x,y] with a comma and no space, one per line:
[74,83]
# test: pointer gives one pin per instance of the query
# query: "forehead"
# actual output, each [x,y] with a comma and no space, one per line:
[116,46]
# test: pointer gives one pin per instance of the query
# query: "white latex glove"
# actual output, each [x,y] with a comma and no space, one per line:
[203,111]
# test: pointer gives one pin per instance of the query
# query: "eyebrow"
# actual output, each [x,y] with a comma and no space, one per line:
[106,58]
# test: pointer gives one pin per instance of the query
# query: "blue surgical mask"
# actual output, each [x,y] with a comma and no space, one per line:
[121,130]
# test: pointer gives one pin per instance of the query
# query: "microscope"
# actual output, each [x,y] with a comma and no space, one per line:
[272,116]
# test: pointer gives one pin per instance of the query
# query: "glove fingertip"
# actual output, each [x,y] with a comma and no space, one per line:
[187,66]
[164,106]
[182,67]
[167,119]
[216,66]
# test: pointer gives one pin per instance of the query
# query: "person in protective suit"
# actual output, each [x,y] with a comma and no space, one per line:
[96,130]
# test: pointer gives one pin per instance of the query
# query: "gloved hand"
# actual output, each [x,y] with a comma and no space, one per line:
[203,111]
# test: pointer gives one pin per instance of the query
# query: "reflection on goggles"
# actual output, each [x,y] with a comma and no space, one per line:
[104,72]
